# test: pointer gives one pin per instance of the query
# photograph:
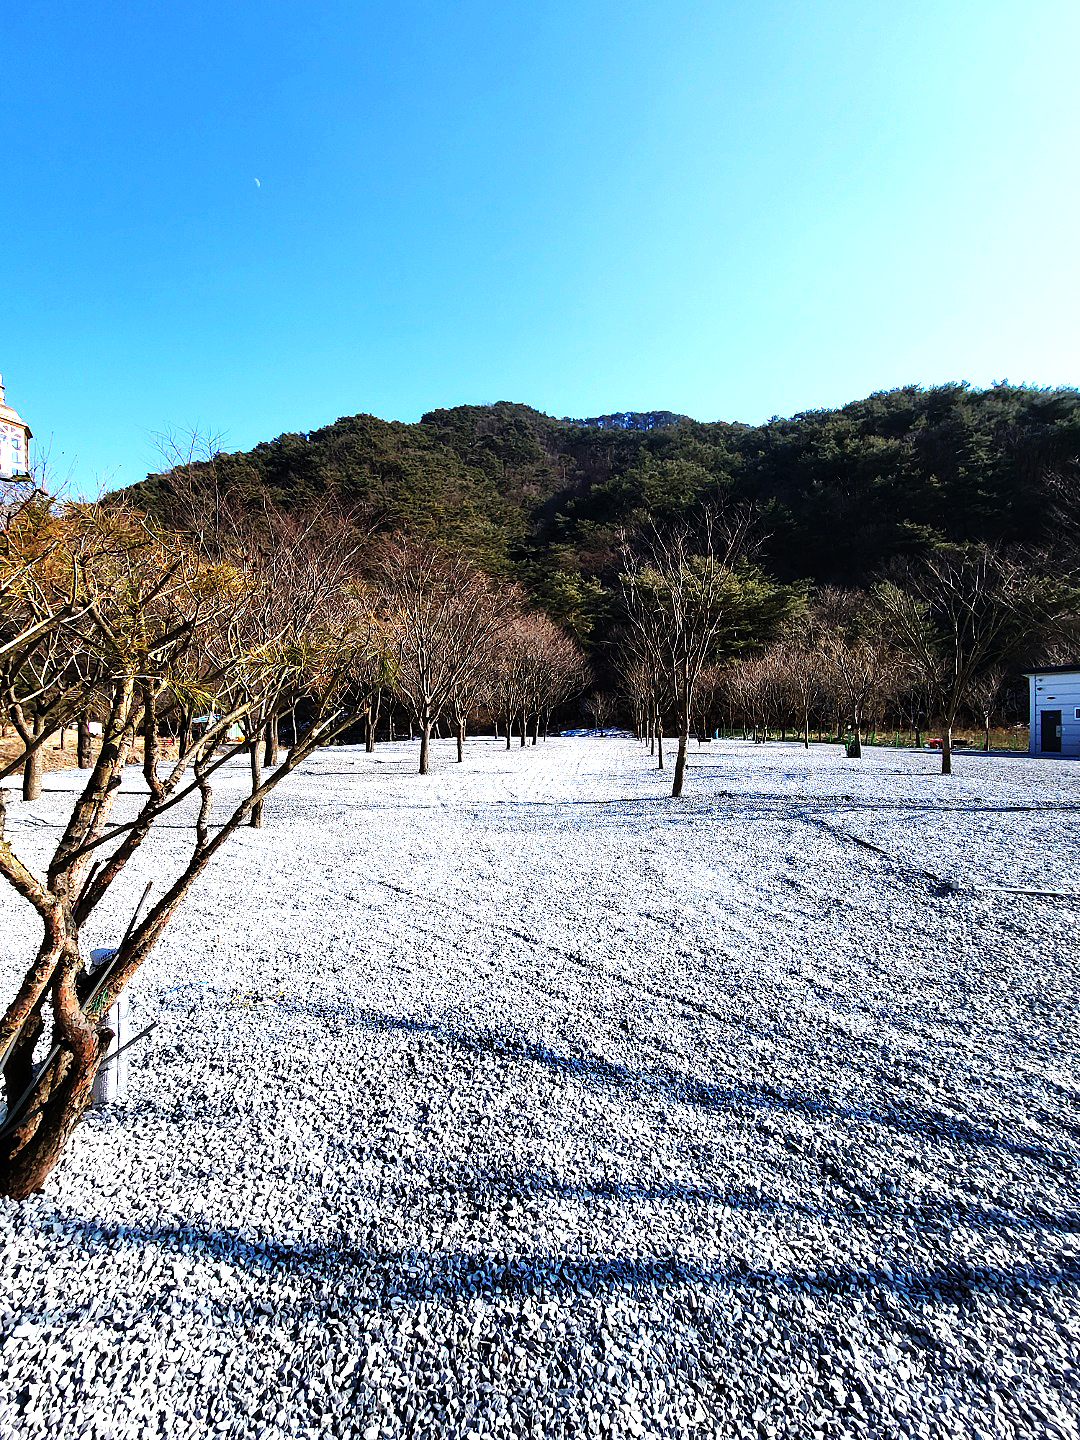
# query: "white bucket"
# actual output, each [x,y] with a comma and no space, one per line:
[111,1083]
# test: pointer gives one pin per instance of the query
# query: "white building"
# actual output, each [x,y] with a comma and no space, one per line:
[1055,710]
[15,440]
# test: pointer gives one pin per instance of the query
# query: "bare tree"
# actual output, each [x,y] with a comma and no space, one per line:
[802,668]
[636,690]
[643,657]
[512,672]
[535,667]
[711,696]
[959,612]
[692,598]
[754,683]
[47,675]
[599,705]
[475,688]
[299,567]
[297,563]
[984,696]
[443,614]
[561,671]
[859,659]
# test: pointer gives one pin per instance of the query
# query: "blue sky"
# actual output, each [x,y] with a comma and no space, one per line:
[731,210]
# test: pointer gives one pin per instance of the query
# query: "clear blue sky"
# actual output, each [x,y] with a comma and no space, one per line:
[731,209]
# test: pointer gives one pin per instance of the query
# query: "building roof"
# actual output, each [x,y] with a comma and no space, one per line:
[8,414]
[1055,670]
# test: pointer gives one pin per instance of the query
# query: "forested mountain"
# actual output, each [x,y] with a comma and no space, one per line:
[838,491]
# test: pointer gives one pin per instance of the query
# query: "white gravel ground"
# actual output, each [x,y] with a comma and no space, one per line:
[521,1100]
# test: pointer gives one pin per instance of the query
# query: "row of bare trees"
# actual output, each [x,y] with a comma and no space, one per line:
[169,642]
[710,639]
[462,644]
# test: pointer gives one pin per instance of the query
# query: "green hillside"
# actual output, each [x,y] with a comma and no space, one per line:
[838,491]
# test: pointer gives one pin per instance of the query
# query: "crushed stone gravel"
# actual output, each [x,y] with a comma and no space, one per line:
[521,1100]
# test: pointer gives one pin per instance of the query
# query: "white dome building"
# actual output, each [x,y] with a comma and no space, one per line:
[15,440]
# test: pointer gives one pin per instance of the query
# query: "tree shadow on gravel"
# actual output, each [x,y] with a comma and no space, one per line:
[415,1276]
[942,1215]
[769,800]
[674,1088]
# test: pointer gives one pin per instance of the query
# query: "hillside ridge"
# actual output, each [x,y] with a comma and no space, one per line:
[839,492]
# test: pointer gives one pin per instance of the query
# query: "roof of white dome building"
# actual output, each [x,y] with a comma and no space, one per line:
[8,414]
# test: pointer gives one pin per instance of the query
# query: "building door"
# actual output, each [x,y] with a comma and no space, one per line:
[1050,732]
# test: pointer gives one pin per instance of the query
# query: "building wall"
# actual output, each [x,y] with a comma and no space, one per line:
[1056,692]
[14,449]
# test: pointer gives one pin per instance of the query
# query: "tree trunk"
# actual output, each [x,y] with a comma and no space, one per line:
[536,728]
[63,1088]
[855,748]
[272,753]
[29,1153]
[680,760]
[32,765]
[425,745]
[946,750]
[509,727]
[806,733]
[986,737]
[524,730]
[45,1120]
[660,742]
[255,819]
[461,738]
[83,750]
[19,1066]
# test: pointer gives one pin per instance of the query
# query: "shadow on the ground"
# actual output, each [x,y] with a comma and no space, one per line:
[455,1274]
[684,1089]
[860,1204]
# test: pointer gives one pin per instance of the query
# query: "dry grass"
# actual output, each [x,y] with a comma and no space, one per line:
[1014,737]
[53,757]
[64,756]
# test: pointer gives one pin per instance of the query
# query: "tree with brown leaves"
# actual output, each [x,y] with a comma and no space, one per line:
[159,628]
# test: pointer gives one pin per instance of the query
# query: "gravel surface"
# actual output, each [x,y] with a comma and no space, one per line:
[520,1100]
